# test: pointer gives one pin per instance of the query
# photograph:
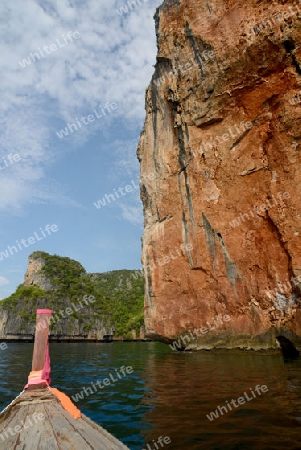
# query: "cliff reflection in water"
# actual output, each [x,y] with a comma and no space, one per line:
[185,387]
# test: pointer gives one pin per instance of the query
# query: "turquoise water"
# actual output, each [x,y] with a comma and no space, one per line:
[169,394]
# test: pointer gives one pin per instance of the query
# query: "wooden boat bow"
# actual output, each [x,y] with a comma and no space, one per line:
[43,418]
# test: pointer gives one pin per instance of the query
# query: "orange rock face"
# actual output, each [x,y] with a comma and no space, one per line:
[222,134]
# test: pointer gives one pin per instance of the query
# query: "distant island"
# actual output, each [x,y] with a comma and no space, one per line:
[86,306]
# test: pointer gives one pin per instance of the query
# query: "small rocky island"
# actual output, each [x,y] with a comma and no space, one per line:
[86,306]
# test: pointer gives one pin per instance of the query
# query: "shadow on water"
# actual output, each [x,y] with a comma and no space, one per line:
[170,394]
[187,387]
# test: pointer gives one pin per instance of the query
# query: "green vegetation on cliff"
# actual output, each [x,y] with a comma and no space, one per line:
[118,295]
[123,292]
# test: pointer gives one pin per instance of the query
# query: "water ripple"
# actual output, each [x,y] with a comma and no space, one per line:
[170,394]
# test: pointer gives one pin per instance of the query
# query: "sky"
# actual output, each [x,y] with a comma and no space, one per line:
[81,66]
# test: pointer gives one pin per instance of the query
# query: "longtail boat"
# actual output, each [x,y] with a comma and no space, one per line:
[42,417]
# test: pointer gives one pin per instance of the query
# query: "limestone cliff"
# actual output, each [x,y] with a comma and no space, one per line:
[85,306]
[34,275]
[222,136]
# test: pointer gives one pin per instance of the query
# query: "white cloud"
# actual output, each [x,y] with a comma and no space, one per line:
[112,61]
[133,214]
[126,159]
[127,165]
[3,281]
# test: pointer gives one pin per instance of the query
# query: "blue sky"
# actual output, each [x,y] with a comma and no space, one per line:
[90,56]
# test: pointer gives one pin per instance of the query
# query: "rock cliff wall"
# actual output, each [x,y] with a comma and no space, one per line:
[222,134]
[98,307]
[80,325]
[33,275]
